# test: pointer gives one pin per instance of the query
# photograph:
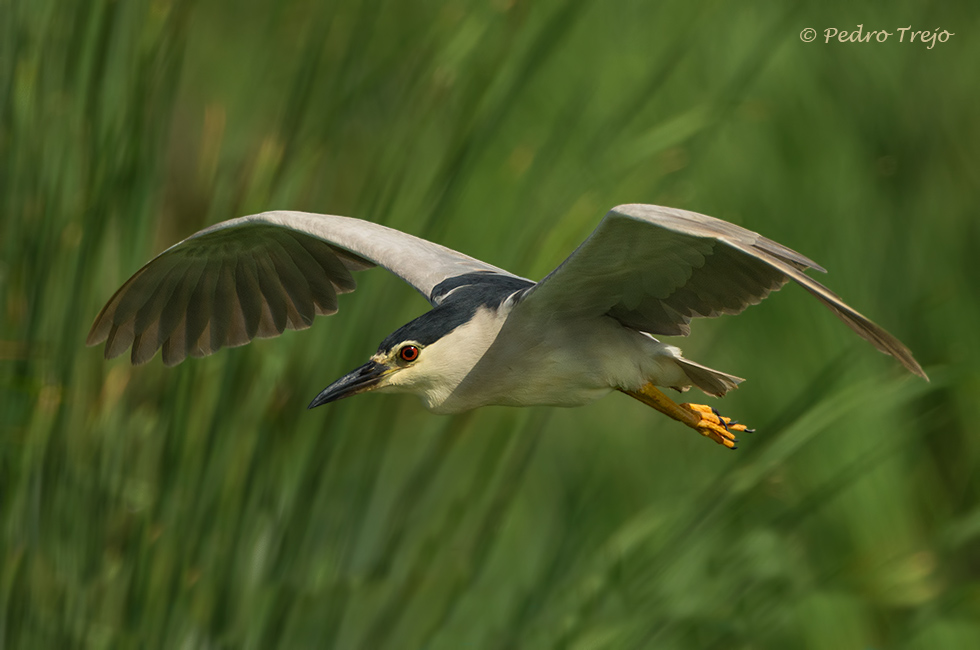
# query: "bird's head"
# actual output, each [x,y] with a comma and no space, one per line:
[388,369]
[428,357]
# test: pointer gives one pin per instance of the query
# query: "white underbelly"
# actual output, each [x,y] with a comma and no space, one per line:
[569,367]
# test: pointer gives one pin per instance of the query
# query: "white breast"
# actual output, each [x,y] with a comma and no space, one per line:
[494,359]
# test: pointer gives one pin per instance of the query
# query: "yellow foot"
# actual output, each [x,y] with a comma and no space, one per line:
[713,425]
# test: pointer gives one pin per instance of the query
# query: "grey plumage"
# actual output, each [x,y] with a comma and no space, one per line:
[257,276]
[650,268]
[654,269]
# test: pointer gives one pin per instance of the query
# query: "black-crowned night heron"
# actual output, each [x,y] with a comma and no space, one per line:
[491,337]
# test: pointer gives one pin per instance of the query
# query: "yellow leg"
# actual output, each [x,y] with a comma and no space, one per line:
[703,419]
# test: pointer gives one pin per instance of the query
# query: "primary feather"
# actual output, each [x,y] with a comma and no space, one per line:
[650,268]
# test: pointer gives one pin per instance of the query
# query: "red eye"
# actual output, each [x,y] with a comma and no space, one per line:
[409,353]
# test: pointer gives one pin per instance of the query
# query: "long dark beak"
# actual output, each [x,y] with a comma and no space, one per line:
[357,381]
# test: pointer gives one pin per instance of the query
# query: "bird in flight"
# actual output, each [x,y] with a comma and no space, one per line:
[491,337]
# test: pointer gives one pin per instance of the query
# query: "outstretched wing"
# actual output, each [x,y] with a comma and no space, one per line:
[256,276]
[654,269]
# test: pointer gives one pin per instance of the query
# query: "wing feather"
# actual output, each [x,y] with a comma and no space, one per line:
[224,309]
[295,286]
[174,349]
[249,295]
[145,285]
[332,265]
[257,276]
[199,307]
[275,299]
[654,269]
[323,293]
[120,337]
[237,322]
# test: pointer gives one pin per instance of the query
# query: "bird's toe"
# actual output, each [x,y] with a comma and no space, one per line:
[714,425]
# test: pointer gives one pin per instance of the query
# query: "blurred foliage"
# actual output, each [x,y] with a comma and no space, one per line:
[203,506]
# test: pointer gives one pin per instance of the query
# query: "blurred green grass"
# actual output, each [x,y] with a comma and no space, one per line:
[202,506]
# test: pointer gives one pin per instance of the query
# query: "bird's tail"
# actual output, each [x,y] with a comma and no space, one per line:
[712,382]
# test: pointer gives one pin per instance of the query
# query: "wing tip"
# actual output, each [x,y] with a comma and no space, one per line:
[94,338]
[913,366]
[101,326]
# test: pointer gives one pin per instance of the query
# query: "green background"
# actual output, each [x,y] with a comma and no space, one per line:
[204,507]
